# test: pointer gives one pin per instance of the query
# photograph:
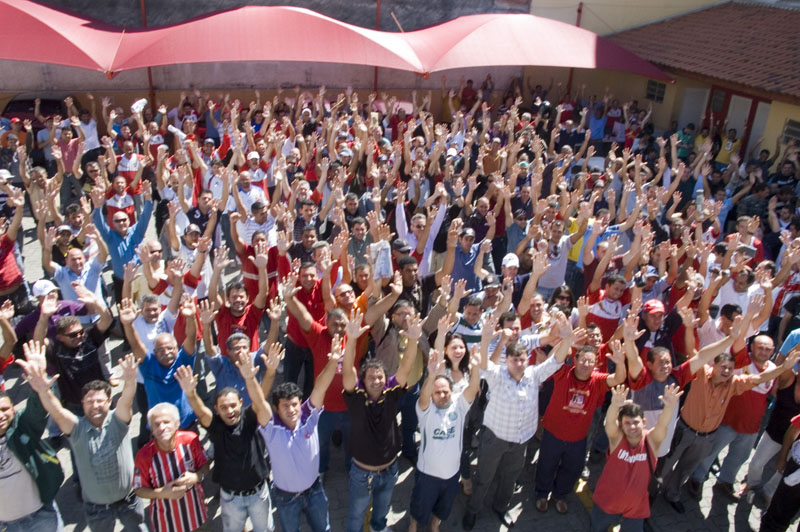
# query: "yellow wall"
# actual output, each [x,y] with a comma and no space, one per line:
[779,112]
[605,18]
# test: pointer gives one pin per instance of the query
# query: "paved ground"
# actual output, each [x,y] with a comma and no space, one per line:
[711,514]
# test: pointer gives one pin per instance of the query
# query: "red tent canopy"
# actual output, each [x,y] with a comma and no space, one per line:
[33,32]
[266,33]
[511,39]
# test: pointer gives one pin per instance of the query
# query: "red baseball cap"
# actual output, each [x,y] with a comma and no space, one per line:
[654,306]
[15,120]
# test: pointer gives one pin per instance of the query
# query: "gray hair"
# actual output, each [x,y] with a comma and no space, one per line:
[167,408]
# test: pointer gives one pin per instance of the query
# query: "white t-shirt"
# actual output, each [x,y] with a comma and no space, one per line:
[90,130]
[442,432]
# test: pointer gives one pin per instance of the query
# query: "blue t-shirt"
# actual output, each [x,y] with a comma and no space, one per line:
[162,386]
[790,343]
[464,266]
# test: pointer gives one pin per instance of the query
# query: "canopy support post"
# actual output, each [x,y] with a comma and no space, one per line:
[571,70]
[377,27]
[151,92]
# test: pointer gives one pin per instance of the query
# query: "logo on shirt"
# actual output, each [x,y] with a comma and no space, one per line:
[440,434]
[625,456]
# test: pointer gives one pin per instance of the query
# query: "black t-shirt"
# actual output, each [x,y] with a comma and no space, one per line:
[374,434]
[419,295]
[77,367]
[239,452]
[196,217]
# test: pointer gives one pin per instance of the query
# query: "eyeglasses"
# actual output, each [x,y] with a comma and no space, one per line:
[344,293]
[75,334]
[562,298]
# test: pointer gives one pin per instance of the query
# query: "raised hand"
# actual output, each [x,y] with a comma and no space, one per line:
[127,311]
[289,286]
[619,395]
[34,367]
[672,393]
[186,379]
[130,271]
[436,364]
[187,308]
[273,357]
[275,310]
[49,304]
[617,356]
[354,328]
[208,312]
[630,328]
[129,365]
[7,310]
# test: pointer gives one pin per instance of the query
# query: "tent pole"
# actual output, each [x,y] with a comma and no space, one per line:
[377,27]
[571,70]
[152,93]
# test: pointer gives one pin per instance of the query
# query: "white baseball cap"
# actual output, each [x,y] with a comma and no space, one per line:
[42,287]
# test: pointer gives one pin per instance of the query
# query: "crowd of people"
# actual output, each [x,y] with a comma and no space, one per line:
[332,270]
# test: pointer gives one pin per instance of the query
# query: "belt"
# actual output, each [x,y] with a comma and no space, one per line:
[122,501]
[246,493]
[697,432]
[378,471]
[296,494]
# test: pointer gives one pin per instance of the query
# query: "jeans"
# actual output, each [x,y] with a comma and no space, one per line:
[408,419]
[299,359]
[45,519]
[328,422]
[236,509]
[559,466]
[103,517]
[601,521]
[738,452]
[312,502]
[432,495]
[364,483]
[766,450]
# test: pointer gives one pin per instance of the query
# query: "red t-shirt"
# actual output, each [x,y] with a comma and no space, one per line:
[572,405]
[796,421]
[116,203]
[250,272]
[615,266]
[127,168]
[622,486]
[756,243]
[320,343]
[247,323]
[745,411]
[606,313]
[10,276]
[316,307]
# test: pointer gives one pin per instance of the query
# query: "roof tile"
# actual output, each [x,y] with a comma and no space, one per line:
[747,43]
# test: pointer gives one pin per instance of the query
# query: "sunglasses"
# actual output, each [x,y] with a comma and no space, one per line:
[76,334]
[562,298]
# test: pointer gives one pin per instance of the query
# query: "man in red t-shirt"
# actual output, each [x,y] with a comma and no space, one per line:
[238,315]
[11,280]
[607,307]
[577,392]
[631,460]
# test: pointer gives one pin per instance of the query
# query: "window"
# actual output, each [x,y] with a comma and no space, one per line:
[655,90]
[791,131]
[717,101]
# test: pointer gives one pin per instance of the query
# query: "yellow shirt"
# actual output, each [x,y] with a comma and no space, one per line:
[728,148]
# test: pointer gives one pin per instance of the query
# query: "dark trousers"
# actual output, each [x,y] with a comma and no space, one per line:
[785,504]
[559,466]
[408,420]
[498,459]
[299,359]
